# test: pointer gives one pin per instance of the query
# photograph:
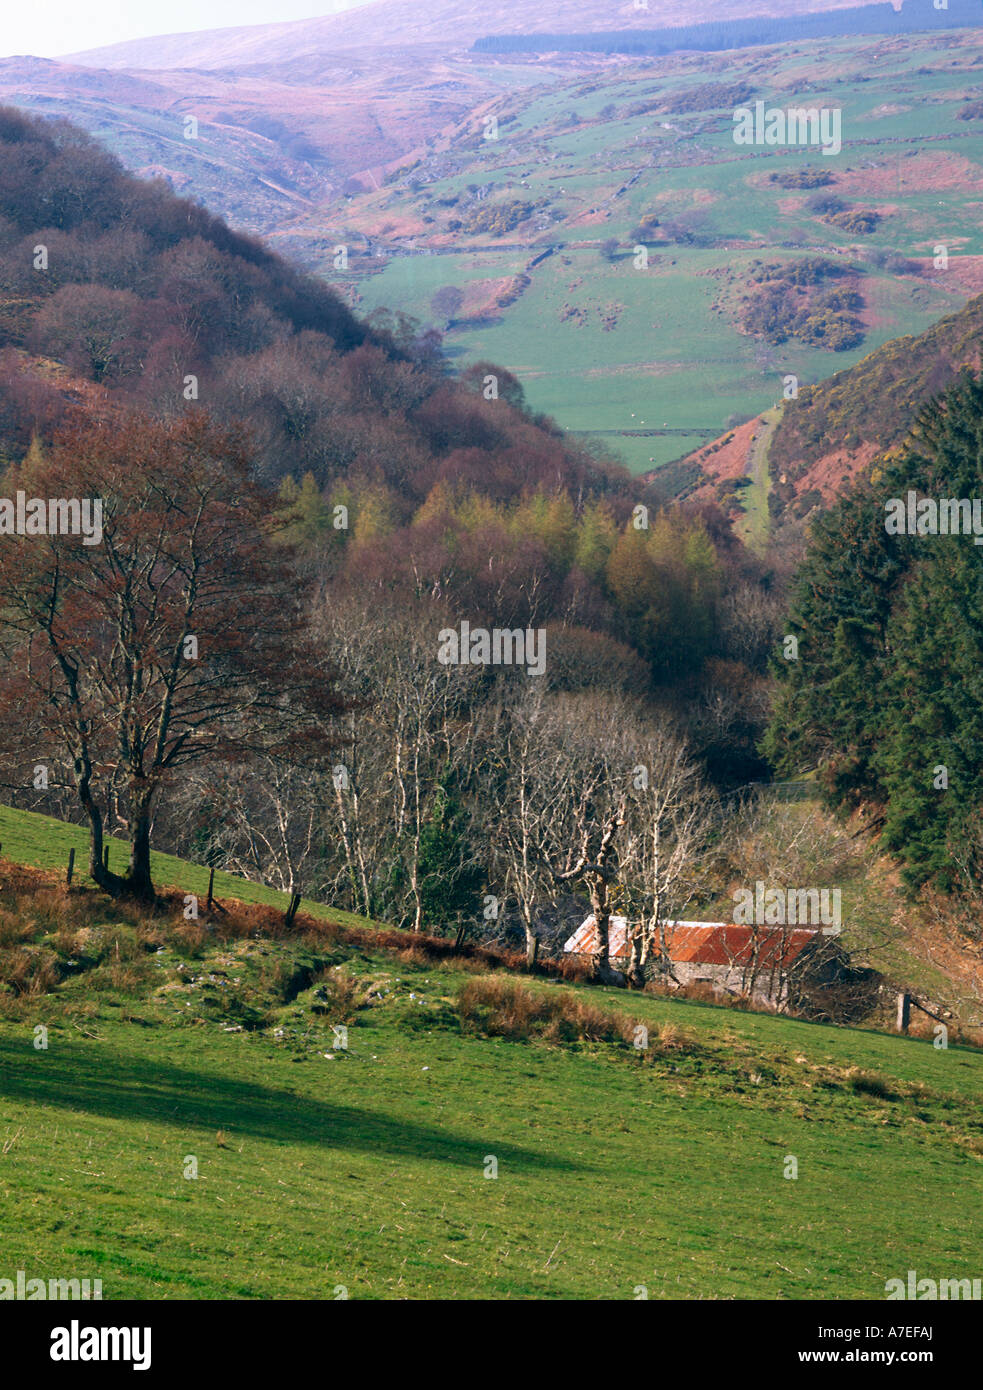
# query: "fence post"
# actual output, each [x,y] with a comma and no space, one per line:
[211,885]
[904,1011]
[71,867]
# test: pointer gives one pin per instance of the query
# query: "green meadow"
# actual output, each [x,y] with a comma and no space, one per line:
[194,1129]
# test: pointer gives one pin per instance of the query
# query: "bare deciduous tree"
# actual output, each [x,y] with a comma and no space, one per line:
[671,822]
[178,639]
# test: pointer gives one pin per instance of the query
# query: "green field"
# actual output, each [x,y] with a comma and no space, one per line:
[364,1169]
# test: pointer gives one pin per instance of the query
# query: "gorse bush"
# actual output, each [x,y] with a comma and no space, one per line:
[789,301]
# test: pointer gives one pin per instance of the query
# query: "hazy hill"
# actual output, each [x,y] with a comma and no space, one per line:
[452,23]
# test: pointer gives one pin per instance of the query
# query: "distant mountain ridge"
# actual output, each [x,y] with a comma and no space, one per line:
[722,33]
[399,23]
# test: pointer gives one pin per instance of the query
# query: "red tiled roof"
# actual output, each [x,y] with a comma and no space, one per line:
[705,943]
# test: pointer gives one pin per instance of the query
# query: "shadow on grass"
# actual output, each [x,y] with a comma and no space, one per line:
[98,1081]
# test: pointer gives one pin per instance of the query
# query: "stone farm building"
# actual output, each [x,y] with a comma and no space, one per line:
[774,967]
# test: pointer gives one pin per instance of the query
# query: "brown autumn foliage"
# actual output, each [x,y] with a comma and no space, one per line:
[146,298]
[501,1007]
[507,1008]
[144,293]
[180,637]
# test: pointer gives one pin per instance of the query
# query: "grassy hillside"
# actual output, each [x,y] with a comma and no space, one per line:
[876,401]
[834,429]
[44,843]
[321,1168]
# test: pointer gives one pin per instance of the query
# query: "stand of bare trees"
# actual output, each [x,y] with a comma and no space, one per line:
[597,793]
[672,826]
[568,800]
